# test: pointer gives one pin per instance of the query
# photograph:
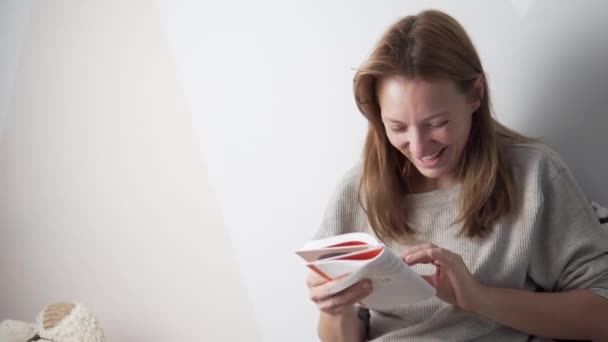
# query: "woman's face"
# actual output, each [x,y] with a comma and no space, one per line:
[429,122]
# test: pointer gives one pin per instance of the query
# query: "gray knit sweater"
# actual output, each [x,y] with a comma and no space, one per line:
[554,244]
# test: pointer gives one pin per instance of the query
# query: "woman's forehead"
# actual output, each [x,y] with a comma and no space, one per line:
[399,97]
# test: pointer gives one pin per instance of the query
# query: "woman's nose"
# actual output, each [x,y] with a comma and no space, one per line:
[416,143]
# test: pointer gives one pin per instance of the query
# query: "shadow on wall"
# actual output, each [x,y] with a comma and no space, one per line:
[568,98]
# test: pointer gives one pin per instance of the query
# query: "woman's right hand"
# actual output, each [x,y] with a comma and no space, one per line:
[336,304]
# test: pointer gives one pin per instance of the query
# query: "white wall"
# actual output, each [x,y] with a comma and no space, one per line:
[104,194]
[14,21]
[222,127]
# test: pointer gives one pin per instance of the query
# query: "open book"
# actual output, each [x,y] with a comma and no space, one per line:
[361,256]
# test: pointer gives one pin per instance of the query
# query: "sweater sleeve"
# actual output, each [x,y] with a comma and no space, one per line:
[569,248]
[343,213]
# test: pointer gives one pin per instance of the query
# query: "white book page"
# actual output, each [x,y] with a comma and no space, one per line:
[326,253]
[334,240]
[394,282]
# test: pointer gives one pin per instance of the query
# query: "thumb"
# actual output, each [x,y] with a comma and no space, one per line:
[429,279]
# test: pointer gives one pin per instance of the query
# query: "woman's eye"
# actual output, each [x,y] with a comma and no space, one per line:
[438,124]
[398,129]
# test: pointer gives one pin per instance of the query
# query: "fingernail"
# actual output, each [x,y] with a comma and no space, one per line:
[367,285]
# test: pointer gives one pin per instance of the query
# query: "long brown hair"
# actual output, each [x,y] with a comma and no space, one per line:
[431,45]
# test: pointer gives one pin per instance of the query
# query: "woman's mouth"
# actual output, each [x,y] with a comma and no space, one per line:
[432,160]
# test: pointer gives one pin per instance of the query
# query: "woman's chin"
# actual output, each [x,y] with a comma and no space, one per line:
[436,173]
[433,174]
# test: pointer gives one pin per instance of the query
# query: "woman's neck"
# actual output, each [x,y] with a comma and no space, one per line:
[421,184]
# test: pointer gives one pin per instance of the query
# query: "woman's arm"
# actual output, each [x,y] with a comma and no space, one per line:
[575,314]
[342,327]
[338,319]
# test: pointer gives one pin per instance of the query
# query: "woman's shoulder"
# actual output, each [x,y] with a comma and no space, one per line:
[348,184]
[534,159]
[344,213]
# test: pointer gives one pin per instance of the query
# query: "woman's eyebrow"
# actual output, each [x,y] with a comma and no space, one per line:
[430,117]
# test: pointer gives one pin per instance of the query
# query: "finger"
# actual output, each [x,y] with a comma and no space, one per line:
[347,297]
[417,248]
[434,255]
[347,302]
[429,279]
[325,290]
[314,279]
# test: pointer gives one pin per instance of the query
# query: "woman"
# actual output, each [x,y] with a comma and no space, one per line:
[495,218]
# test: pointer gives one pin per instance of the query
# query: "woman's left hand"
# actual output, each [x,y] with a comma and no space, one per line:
[452,279]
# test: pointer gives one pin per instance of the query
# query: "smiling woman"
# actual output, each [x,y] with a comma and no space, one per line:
[438,104]
[515,247]
[433,142]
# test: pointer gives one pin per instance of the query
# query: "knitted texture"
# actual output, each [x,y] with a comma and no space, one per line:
[78,326]
[554,243]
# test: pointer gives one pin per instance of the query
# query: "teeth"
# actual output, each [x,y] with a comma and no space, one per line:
[431,157]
